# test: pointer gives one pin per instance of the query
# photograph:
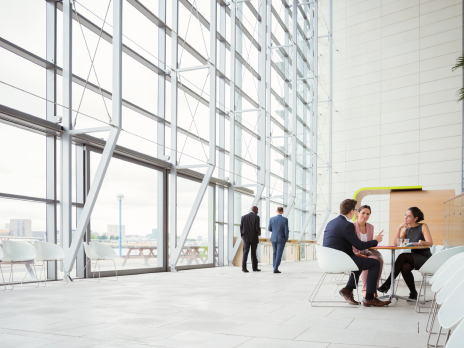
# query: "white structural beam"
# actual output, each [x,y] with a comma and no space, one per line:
[315,113]
[330,106]
[267,133]
[176,251]
[174,107]
[294,114]
[161,136]
[222,132]
[66,138]
[110,143]
[231,248]
[51,161]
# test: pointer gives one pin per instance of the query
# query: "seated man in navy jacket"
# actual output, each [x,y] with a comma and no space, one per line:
[340,234]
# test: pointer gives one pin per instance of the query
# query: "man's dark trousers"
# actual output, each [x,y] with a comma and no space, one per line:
[254,259]
[278,248]
[363,264]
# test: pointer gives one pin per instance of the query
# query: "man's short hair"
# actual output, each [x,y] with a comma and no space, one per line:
[254,209]
[280,210]
[347,205]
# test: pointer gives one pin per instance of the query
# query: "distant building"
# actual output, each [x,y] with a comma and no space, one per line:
[113,230]
[21,227]
[200,238]
[154,234]
[4,232]
[7,227]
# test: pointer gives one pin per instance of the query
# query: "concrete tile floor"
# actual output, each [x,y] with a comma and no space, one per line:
[217,307]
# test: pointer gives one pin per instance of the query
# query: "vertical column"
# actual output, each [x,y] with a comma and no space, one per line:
[212,82]
[268,114]
[212,125]
[174,97]
[231,194]
[161,140]
[261,155]
[294,113]
[81,193]
[51,140]
[315,114]
[211,223]
[222,133]
[286,107]
[330,105]
[66,139]
[304,197]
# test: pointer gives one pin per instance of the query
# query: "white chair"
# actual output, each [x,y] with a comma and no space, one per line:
[332,261]
[442,277]
[99,252]
[451,312]
[18,252]
[443,286]
[48,252]
[1,258]
[431,266]
[457,337]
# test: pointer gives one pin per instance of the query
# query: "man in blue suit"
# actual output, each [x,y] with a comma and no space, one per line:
[278,225]
[340,234]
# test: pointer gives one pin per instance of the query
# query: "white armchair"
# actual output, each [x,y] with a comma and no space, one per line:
[99,252]
[48,252]
[18,252]
[1,258]
[332,261]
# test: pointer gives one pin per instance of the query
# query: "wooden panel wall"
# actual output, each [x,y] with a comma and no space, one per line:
[430,202]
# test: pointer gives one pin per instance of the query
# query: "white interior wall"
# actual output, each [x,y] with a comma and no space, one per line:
[396,120]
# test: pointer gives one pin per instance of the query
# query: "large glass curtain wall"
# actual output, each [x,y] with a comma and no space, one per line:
[219,112]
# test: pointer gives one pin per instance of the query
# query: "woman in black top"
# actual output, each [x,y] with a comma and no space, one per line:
[419,234]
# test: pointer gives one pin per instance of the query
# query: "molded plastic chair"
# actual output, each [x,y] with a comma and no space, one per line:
[1,258]
[98,252]
[432,265]
[457,337]
[332,261]
[48,252]
[451,312]
[450,261]
[440,298]
[18,252]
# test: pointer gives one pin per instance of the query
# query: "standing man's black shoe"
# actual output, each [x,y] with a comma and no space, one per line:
[245,270]
[277,272]
[257,270]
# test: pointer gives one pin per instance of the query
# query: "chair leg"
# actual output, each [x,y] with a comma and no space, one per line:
[4,286]
[316,289]
[12,276]
[417,307]
[90,260]
[357,287]
[432,307]
[115,270]
[64,276]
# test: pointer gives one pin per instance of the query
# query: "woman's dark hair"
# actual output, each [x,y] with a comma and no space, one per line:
[417,213]
[364,207]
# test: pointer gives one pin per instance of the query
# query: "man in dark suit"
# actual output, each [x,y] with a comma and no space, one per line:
[340,234]
[278,225]
[250,229]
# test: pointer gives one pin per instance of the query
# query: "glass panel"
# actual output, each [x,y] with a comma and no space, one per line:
[24,222]
[138,213]
[22,169]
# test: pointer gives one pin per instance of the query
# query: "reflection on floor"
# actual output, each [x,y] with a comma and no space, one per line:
[217,307]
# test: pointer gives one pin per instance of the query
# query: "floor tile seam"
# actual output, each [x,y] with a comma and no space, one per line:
[252,338]
[354,345]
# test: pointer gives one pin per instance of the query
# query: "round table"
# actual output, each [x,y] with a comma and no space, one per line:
[392,287]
